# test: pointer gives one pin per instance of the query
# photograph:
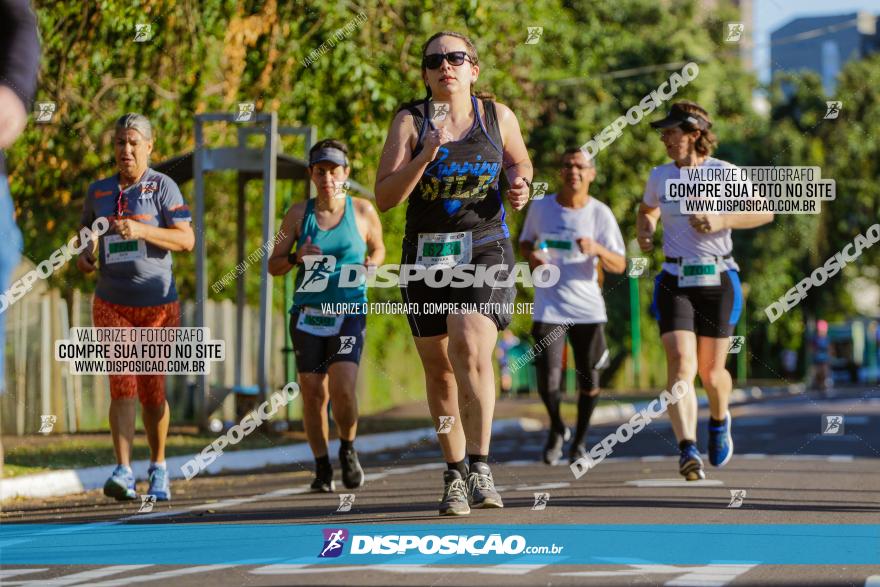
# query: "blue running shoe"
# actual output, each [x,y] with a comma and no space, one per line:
[690,465]
[159,484]
[720,442]
[120,485]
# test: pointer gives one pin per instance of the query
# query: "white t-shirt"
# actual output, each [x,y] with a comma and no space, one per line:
[679,237]
[577,297]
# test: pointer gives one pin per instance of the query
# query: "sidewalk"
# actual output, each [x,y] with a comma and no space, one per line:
[512,414]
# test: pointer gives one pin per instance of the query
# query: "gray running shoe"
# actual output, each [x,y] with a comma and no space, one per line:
[481,487]
[454,502]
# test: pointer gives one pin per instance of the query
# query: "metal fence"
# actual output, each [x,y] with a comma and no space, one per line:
[38,385]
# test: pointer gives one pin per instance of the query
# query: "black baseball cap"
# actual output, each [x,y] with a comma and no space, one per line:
[678,116]
[331,154]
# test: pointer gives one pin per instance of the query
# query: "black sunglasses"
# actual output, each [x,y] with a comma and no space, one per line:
[455,58]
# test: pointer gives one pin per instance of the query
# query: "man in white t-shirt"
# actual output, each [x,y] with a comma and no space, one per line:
[577,233]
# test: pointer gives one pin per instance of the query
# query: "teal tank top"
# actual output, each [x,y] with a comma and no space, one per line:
[343,242]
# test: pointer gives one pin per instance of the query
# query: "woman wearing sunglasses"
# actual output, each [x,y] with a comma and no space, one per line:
[448,168]
[149,220]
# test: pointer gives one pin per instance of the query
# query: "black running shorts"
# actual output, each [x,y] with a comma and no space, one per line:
[496,303]
[314,354]
[711,311]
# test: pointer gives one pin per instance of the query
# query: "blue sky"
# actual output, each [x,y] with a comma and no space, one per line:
[771,14]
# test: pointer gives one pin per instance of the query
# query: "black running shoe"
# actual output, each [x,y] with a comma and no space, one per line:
[481,487]
[352,472]
[553,448]
[576,453]
[323,482]
[454,501]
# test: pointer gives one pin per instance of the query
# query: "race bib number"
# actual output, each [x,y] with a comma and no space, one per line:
[444,249]
[561,247]
[313,321]
[118,250]
[700,272]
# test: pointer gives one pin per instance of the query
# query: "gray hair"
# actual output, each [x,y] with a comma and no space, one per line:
[137,122]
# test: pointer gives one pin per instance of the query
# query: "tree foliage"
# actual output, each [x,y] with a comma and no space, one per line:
[210,55]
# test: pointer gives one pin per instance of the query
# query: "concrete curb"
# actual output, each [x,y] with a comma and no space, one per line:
[72,481]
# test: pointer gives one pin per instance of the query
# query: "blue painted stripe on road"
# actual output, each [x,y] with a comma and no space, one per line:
[243,544]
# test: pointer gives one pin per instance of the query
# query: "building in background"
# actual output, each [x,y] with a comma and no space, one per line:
[823,44]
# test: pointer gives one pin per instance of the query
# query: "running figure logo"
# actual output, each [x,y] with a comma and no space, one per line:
[534,35]
[245,111]
[47,423]
[340,189]
[736,498]
[44,112]
[832,424]
[833,109]
[334,541]
[346,345]
[736,345]
[440,110]
[147,503]
[637,266]
[734,32]
[318,269]
[446,424]
[539,190]
[541,500]
[143,33]
[346,500]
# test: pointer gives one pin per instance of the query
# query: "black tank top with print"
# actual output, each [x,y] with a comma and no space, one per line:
[459,189]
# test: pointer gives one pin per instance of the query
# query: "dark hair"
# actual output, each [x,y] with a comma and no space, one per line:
[575,151]
[329,144]
[707,142]
[472,53]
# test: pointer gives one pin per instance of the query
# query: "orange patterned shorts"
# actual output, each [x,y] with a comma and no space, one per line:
[150,389]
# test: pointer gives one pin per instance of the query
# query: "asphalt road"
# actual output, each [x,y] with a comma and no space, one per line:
[790,471]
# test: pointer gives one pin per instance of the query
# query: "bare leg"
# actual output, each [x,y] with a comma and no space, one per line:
[442,394]
[315,397]
[343,397]
[681,365]
[122,418]
[472,339]
[156,421]
[711,356]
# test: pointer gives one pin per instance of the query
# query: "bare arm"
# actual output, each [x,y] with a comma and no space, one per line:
[611,261]
[516,157]
[178,237]
[398,171]
[375,244]
[646,225]
[290,227]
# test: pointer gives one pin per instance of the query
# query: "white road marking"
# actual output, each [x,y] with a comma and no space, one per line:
[710,576]
[840,459]
[4,573]
[509,569]
[873,581]
[675,483]
[707,575]
[159,576]
[542,486]
[80,577]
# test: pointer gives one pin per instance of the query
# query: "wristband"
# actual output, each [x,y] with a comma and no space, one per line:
[291,258]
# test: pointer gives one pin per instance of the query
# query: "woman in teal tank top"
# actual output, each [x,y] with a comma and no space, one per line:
[328,322]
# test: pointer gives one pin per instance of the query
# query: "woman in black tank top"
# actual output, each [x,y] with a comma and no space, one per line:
[449,169]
